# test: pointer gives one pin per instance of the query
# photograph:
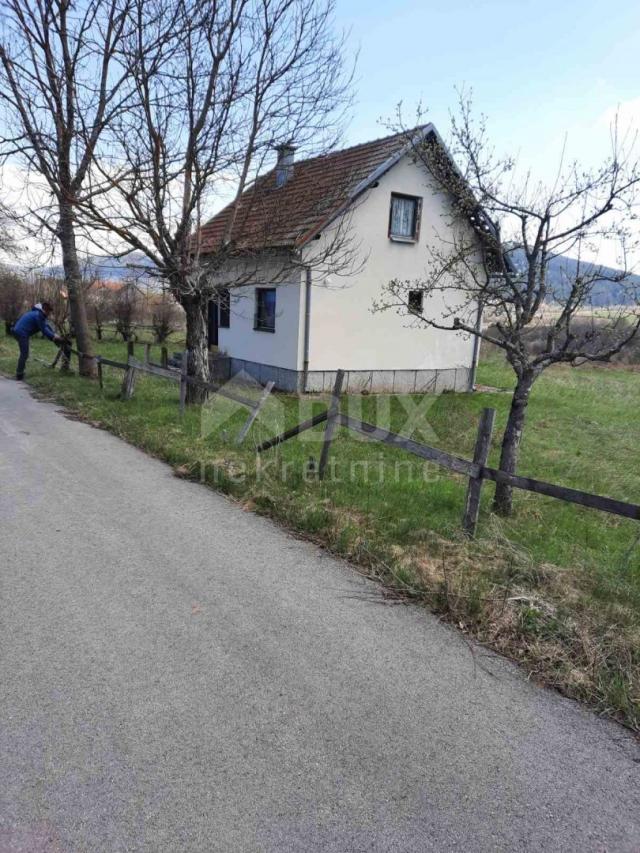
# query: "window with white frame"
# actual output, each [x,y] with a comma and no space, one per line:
[404,218]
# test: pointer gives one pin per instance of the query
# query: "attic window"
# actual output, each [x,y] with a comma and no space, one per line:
[404,218]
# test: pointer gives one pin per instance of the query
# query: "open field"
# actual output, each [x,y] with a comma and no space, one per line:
[556,587]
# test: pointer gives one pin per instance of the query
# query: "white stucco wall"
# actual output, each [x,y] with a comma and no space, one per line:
[344,332]
[281,348]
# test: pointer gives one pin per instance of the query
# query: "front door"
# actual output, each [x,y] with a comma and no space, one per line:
[214,322]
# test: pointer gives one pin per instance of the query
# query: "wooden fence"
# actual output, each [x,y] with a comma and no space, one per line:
[476,470]
[132,367]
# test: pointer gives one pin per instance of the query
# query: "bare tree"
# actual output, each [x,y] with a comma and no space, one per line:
[101,304]
[126,309]
[214,88]
[52,289]
[164,318]
[501,264]
[13,295]
[60,88]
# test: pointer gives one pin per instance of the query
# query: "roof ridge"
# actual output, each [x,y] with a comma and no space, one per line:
[319,188]
[338,151]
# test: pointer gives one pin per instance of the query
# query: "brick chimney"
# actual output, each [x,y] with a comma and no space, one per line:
[284,166]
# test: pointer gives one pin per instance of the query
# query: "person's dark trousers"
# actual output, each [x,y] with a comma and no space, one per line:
[23,343]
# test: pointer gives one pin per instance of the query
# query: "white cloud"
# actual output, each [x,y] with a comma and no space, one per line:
[626,115]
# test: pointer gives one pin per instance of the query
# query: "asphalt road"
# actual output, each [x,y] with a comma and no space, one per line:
[179,675]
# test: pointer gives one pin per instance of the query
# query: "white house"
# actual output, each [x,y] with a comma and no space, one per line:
[291,319]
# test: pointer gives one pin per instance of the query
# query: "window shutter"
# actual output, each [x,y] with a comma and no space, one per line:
[404,220]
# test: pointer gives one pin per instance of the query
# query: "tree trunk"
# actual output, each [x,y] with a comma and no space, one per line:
[73,280]
[503,499]
[197,344]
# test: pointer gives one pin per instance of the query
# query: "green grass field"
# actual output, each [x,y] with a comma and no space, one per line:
[556,587]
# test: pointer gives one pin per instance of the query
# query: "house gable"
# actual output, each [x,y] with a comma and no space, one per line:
[272,215]
[324,321]
[344,330]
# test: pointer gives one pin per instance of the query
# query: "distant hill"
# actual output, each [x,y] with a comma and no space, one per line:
[130,266]
[133,265]
[562,271]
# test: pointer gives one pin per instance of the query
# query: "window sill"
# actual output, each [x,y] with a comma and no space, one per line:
[397,239]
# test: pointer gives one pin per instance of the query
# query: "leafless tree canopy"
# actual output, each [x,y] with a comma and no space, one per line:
[502,263]
[12,297]
[211,89]
[59,89]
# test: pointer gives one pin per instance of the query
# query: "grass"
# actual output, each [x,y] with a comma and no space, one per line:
[556,587]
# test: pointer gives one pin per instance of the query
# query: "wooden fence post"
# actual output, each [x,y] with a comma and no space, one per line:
[100,378]
[128,382]
[184,366]
[65,364]
[253,414]
[332,420]
[480,455]
[130,348]
[147,353]
[164,357]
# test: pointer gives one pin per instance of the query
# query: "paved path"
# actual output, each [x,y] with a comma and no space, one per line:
[179,675]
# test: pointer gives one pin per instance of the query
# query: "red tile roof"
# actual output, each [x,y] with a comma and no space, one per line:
[318,189]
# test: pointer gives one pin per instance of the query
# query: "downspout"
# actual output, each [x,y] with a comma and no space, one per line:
[476,349]
[307,323]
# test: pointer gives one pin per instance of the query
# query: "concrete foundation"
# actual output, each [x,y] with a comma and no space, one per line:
[355,381]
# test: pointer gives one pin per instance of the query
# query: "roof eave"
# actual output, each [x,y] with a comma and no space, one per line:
[364,185]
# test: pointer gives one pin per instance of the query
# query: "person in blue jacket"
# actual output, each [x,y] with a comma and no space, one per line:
[34,321]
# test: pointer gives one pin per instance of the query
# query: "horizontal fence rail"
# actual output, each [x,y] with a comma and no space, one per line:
[291,433]
[476,471]
[563,493]
[132,367]
[432,454]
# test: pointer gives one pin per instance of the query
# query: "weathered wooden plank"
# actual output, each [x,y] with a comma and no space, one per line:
[528,484]
[200,383]
[255,411]
[440,457]
[154,370]
[222,390]
[147,353]
[174,370]
[231,395]
[128,382]
[480,456]
[110,363]
[332,422]
[291,433]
